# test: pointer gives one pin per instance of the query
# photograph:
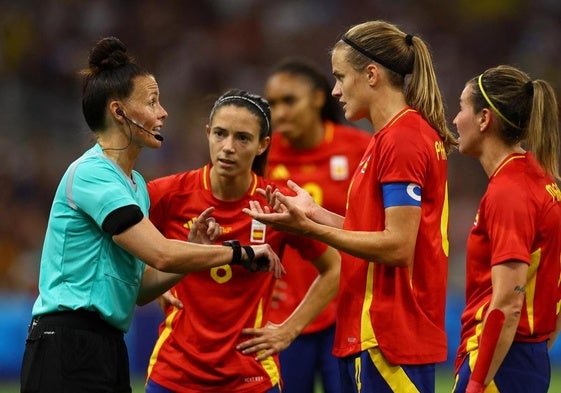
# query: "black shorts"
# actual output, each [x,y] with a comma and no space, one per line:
[74,351]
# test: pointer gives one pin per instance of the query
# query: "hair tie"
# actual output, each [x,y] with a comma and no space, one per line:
[493,107]
[529,88]
[409,39]
[371,56]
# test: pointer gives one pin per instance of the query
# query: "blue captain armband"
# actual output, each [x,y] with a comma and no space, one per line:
[401,194]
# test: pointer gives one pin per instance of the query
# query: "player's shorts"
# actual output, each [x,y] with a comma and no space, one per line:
[306,357]
[369,372]
[74,351]
[526,368]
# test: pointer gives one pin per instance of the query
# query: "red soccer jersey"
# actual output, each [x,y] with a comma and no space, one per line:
[196,348]
[325,172]
[401,310]
[518,219]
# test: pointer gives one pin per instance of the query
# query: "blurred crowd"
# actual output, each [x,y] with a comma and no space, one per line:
[199,48]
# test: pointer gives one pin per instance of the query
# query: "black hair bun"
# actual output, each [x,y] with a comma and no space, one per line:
[109,53]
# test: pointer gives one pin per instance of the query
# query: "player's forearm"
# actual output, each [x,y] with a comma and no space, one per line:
[394,245]
[155,283]
[320,293]
[379,246]
[503,345]
[323,216]
[502,318]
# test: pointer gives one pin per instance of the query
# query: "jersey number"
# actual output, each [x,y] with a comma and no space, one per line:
[221,274]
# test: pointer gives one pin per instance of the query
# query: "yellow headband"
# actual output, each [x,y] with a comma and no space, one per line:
[493,106]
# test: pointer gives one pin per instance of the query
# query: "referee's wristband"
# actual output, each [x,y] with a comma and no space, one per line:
[250,263]
[237,252]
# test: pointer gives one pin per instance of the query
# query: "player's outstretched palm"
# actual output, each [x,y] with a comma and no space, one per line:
[301,200]
[287,212]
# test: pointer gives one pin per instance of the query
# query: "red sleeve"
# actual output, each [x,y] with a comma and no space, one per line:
[402,162]
[158,191]
[511,224]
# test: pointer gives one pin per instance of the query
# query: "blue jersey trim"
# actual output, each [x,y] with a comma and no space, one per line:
[401,194]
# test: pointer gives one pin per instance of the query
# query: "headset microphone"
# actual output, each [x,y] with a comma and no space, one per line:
[120,112]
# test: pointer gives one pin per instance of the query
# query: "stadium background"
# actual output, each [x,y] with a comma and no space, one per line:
[197,49]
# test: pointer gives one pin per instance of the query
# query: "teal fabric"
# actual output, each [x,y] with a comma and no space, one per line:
[81,267]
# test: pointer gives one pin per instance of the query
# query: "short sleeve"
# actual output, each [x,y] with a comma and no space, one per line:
[402,162]
[511,224]
[97,188]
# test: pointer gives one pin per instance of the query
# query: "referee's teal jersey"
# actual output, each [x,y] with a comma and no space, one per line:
[81,266]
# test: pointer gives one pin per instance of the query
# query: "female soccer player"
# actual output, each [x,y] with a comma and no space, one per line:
[220,340]
[391,300]
[98,236]
[311,147]
[514,247]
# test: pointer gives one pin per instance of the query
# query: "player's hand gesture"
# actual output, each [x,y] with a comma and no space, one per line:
[301,200]
[286,212]
[205,229]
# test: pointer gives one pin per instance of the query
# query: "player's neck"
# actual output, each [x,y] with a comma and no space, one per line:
[385,107]
[494,153]
[229,188]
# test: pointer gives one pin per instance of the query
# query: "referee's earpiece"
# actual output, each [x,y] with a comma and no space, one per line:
[120,112]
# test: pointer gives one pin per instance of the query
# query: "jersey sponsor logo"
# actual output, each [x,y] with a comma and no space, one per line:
[440,150]
[414,191]
[258,230]
[339,167]
[554,191]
